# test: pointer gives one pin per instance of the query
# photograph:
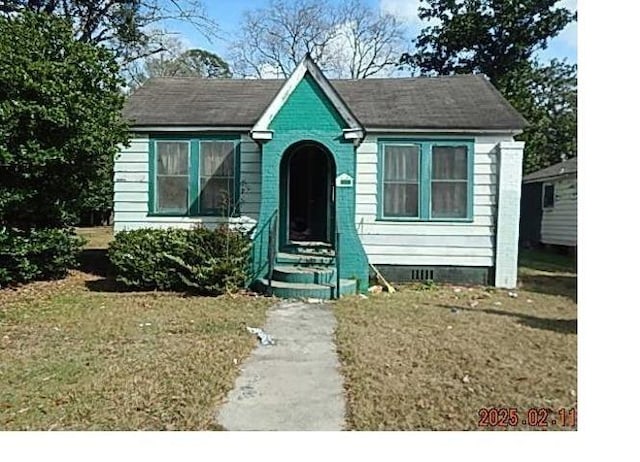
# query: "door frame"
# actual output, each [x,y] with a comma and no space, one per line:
[285,188]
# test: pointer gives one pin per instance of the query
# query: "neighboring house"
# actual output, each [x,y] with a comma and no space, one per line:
[549,206]
[418,176]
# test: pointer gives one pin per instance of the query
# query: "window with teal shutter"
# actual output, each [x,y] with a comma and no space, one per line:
[172,177]
[217,176]
[194,175]
[425,180]
[401,181]
[449,181]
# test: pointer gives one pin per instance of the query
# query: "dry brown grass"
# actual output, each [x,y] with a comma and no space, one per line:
[405,356]
[77,356]
[98,237]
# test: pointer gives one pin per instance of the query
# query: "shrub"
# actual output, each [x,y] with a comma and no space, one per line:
[60,124]
[36,254]
[202,260]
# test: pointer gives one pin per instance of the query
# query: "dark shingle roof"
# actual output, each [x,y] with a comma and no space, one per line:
[455,102]
[561,168]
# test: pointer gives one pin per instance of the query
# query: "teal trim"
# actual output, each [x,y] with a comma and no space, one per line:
[380,185]
[424,190]
[283,173]
[194,179]
[194,136]
[308,115]
[237,191]
[194,139]
[470,146]
[152,177]
[153,204]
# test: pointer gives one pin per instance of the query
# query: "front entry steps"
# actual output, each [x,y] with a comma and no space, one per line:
[300,290]
[306,271]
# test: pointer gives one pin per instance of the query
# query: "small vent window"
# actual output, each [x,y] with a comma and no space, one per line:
[549,196]
[421,274]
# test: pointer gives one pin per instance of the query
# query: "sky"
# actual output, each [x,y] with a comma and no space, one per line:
[228,13]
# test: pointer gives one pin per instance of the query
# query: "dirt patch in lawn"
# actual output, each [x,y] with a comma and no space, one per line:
[431,359]
[76,359]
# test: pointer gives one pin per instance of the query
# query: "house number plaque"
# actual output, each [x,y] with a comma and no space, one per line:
[344,181]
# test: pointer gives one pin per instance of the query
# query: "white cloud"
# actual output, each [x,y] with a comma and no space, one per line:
[570,4]
[569,36]
[407,12]
[269,71]
[404,10]
[341,48]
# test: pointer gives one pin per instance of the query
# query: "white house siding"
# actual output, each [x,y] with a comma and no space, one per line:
[560,224]
[131,189]
[424,243]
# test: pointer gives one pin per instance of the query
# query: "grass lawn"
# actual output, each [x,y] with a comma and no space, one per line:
[98,237]
[425,358]
[78,355]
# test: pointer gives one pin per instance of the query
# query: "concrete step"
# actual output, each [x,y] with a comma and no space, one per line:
[319,249]
[303,259]
[300,290]
[304,274]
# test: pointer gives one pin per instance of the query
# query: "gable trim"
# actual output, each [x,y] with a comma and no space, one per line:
[260,130]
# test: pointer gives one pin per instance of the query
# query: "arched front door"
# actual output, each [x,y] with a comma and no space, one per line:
[307,194]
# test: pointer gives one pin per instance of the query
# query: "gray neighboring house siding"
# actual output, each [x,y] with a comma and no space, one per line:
[558,223]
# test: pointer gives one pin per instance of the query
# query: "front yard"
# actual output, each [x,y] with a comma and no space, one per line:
[430,358]
[78,355]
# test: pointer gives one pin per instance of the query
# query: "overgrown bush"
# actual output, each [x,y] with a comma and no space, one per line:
[60,124]
[36,254]
[202,260]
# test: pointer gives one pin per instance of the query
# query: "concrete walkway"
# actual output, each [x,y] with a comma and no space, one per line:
[294,385]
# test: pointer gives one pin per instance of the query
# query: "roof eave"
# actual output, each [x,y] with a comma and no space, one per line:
[456,130]
[548,177]
[189,128]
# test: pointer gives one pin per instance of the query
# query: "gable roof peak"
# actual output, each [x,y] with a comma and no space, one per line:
[306,66]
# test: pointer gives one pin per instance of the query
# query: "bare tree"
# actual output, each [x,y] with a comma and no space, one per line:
[133,29]
[369,43]
[348,40]
[274,39]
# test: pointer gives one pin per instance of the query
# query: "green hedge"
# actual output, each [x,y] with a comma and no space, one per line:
[202,260]
[37,254]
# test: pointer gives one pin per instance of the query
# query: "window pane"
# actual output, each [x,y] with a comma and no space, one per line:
[549,195]
[172,193]
[400,200]
[217,171]
[172,157]
[401,163]
[448,200]
[449,163]
[216,193]
[216,158]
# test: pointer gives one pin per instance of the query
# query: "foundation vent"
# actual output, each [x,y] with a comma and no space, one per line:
[438,274]
[421,274]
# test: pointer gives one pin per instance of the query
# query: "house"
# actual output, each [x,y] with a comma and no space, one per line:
[417,176]
[550,206]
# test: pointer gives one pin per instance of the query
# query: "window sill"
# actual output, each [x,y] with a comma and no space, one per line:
[183,215]
[422,221]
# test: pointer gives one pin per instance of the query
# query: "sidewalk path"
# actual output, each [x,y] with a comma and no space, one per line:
[294,385]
